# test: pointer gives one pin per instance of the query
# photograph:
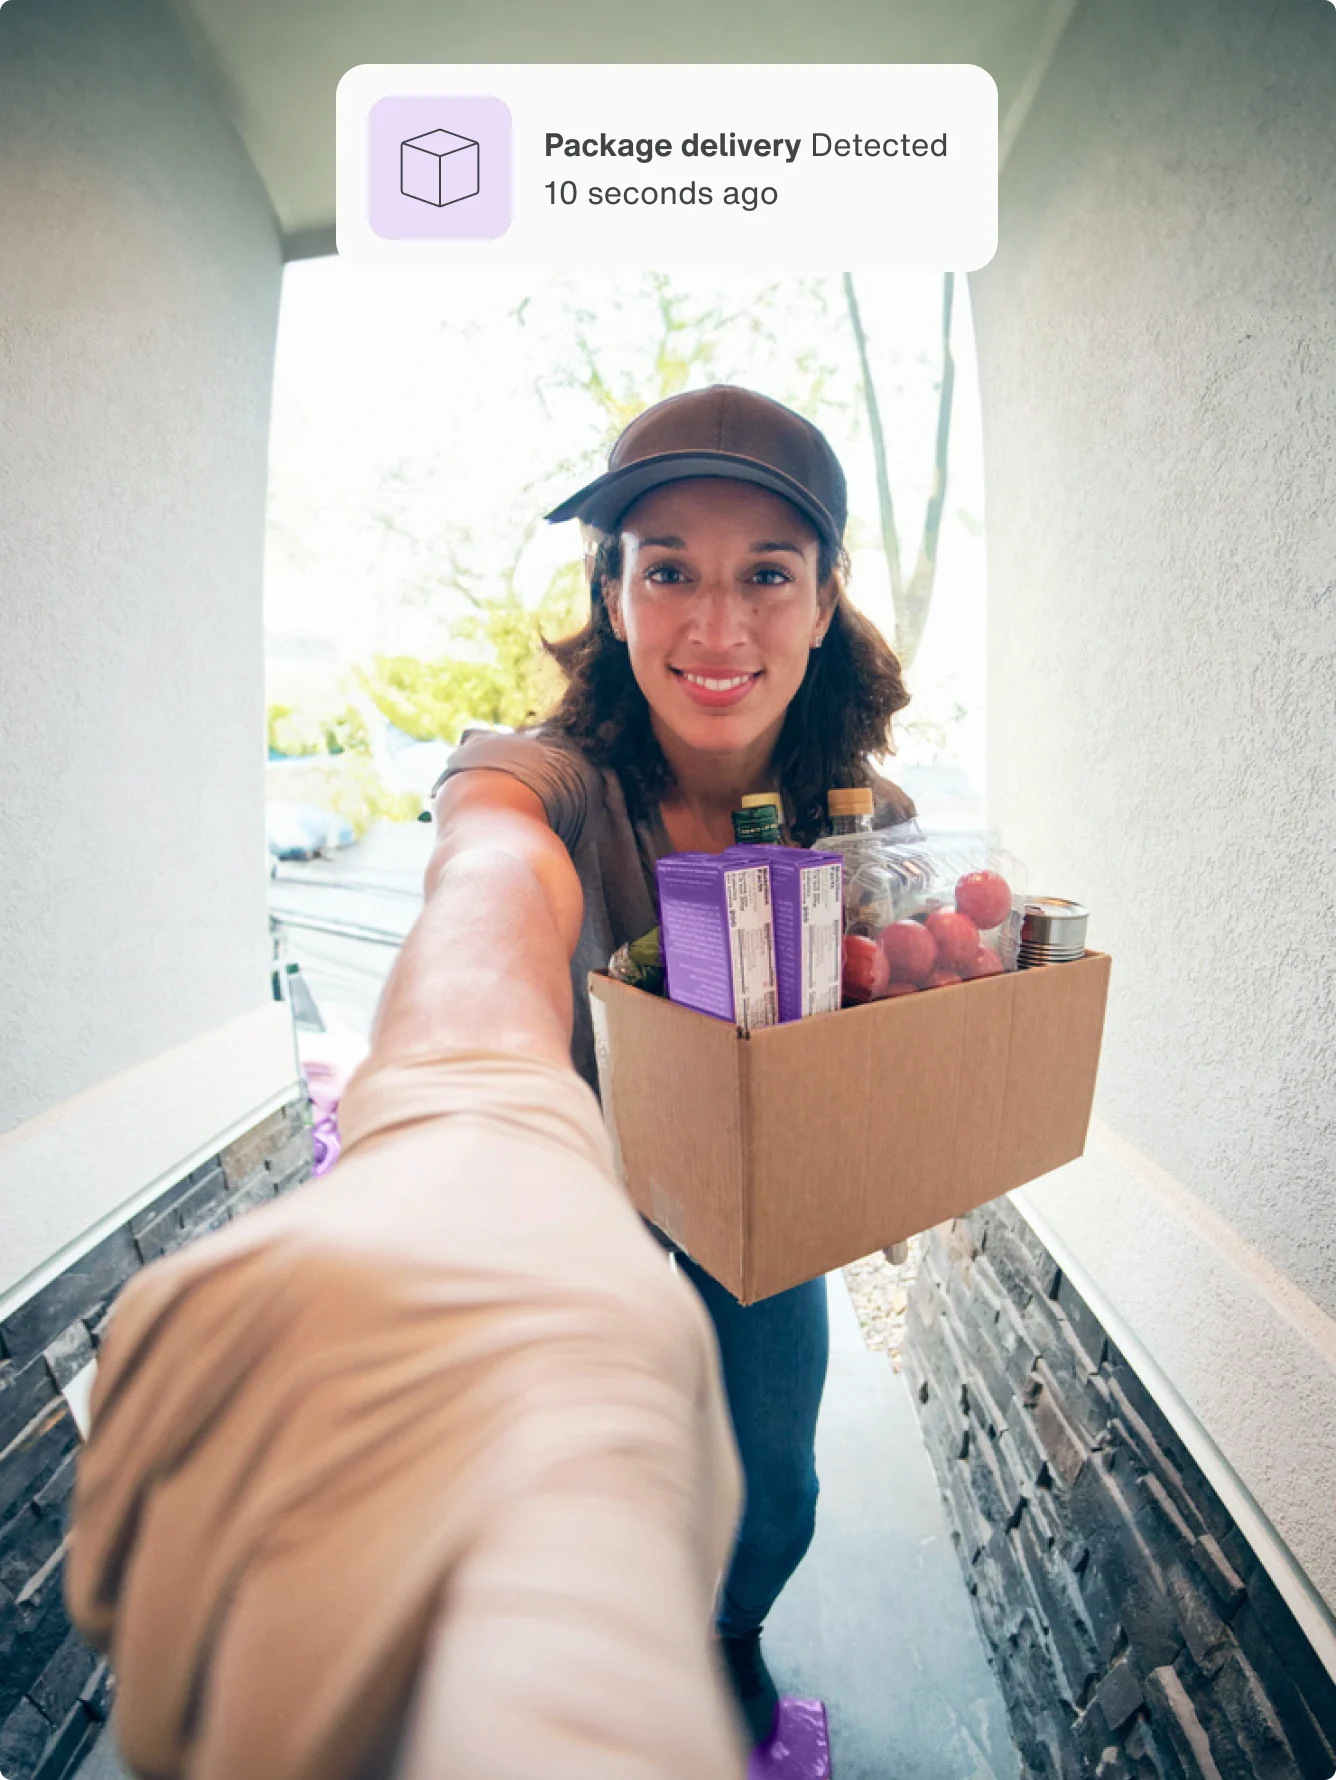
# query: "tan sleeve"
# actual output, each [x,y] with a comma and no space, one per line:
[517,1095]
[446,1405]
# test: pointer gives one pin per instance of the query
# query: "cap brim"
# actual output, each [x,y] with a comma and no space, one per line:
[602,502]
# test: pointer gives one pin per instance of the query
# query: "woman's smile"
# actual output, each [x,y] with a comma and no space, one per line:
[712,689]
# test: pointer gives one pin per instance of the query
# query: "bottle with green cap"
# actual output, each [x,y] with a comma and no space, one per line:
[757,823]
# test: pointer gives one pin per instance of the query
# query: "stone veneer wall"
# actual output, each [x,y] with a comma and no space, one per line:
[1133,1631]
[54,1692]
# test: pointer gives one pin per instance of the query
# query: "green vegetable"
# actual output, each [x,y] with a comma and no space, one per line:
[640,963]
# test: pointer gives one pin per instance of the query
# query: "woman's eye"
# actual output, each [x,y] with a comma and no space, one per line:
[772,577]
[665,574]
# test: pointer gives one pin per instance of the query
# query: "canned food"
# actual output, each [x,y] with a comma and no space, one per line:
[1053,931]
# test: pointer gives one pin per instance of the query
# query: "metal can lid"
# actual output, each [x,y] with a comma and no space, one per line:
[1056,908]
[755,800]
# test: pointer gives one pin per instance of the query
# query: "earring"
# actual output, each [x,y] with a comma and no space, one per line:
[818,639]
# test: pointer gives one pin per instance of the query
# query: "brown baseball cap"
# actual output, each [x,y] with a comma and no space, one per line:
[726,432]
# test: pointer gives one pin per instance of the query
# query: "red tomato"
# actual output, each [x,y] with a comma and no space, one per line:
[910,951]
[985,963]
[938,979]
[901,989]
[866,972]
[985,896]
[955,936]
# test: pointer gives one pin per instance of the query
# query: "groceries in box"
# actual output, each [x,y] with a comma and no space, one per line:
[765,933]
[771,1146]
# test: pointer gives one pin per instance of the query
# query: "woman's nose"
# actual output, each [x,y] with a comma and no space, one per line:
[720,618]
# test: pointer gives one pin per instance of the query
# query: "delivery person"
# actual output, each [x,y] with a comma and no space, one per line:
[423,1471]
[720,658]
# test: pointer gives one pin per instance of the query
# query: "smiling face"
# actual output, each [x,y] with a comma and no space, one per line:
[719,606]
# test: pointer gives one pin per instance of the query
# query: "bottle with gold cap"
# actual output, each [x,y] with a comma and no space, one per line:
[757,823]
[867,901]
[850,810]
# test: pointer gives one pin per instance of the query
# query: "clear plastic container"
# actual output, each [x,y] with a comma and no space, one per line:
[905,873]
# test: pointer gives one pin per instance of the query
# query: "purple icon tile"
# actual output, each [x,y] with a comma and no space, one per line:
[439,167]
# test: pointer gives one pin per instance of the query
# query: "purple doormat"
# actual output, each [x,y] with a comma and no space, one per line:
[799,1746]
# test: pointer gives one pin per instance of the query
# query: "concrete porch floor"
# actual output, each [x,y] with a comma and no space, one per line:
[877,1621]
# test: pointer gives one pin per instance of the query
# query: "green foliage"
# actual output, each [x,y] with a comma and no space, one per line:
[498,674]
[305,729]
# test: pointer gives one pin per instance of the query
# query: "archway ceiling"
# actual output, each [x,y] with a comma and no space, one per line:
[276,63]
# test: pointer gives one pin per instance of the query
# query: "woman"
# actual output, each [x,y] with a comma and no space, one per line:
[720,658]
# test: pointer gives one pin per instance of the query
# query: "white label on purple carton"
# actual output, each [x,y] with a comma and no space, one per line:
[822,939]
[751,944]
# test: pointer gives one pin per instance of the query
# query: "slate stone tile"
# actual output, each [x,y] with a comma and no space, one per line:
[68,1746]
[1062,1444]
[60,1683]
[1013,1277]
[1102,1614]
[52,1499]
[99,1691]
[29,1538]
[1313,1744]
[29,1637]
[1129,1573]
[292,1162]
[1247,1744]
[1085,1327]
[1119,1694]
[1152,1758]
[1091,1738]
[1176,1716]
[168,1198]
[1292,1649]
[68,1354]
[1070,1640]
[24,1734]
[258,1190]
[32,1456]
[249,1150]
[1155,1492]
[178,1222]
[23,1391]
[1204,1631]
[98,1274]
[996,1502]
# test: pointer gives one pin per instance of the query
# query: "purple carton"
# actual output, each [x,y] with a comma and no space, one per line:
[807,910]
[718,938]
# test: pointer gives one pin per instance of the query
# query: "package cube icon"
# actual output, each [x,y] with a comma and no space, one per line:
[439,168]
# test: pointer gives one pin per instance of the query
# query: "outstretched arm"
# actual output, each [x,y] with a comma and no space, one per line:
[487,964]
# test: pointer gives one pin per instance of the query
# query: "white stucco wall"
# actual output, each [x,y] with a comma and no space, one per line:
[139,280]
[1157,341]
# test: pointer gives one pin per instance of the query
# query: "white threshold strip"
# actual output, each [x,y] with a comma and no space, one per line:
[75,1173]
[1314,1617]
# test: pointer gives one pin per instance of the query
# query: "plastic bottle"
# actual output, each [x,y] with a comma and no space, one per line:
[850,811]
[867,900]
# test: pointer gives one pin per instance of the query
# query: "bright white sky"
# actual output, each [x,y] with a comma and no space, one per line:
[422,398]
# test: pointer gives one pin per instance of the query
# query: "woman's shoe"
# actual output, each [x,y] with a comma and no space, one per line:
[755,1692]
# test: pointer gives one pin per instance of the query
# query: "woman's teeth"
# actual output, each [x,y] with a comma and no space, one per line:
[715,685]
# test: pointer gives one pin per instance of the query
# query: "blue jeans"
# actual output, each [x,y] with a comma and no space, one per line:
[774,1365]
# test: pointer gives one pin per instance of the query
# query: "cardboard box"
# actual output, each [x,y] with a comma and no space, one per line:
[774,1156]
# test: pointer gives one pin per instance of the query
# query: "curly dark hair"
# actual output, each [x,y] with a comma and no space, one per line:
[840,715]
